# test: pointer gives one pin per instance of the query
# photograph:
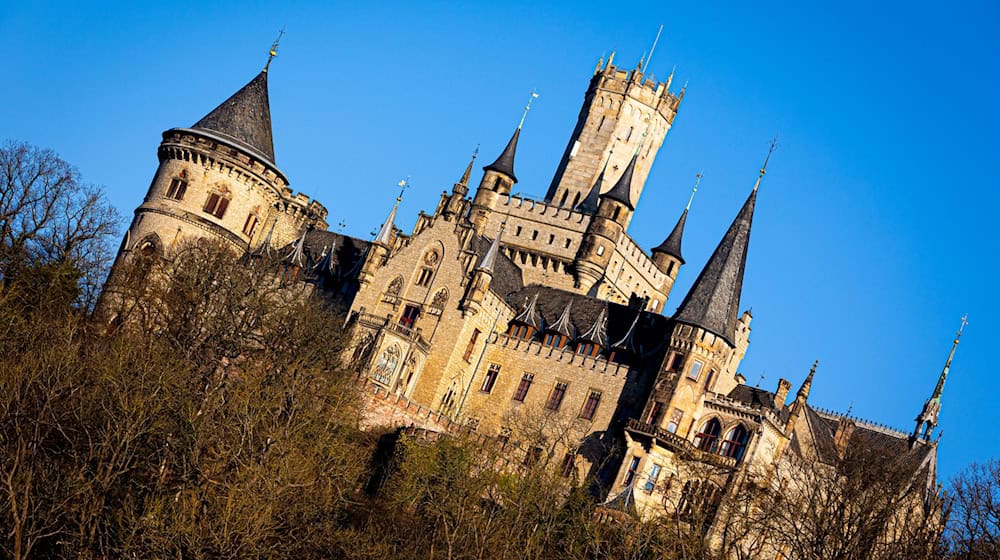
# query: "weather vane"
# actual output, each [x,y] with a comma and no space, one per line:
[273,52]
[403,184]
[534,96]
[697,181]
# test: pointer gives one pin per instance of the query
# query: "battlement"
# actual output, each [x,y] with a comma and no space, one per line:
[564,356]
[868,424]
[636,84]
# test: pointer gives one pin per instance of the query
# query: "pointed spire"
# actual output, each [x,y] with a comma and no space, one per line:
[928,417]
[244,119]
[463,183]
[490,258]
[672,244]
[326,262]
[622,191]
[505,163]
[384,236]
[265,249]
[529,315]
[713,301]
[598,332]
[564,325]
[297,257]
[803,393]
[590,203]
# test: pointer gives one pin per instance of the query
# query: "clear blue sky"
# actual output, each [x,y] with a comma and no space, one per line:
[875,228]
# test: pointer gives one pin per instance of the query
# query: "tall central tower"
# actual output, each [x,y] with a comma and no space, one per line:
[620,106]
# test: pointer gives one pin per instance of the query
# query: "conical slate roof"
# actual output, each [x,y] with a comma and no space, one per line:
[714,300]
[622,191]
[505,163]
[672,244]
[244,118]
[490,258]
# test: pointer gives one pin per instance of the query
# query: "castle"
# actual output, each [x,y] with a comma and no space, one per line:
[498,307]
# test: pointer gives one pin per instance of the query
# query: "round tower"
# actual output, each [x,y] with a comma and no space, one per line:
[498,180]
[614,211]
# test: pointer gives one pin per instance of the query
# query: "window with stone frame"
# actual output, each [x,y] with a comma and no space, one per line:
[491,378]
[568,464]
[424,279]
[523,386]
[633,466]
[676,362]
[654,475]
[555,340]
[708,438]
[250,225]
[675,420]
[556,396]
[695,372]
[216,205]
[178,187]
[590,405]
[654,413]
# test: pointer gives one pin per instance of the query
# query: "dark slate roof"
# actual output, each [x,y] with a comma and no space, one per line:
[649,334]
[506,275]
[244,118]
[713,301]
[753,396]
[505,163]
[345,260]
[622,191]
[672,244]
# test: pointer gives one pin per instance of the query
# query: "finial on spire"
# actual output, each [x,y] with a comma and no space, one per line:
[763,168]
[468,169]
[653,49]
[697,181]
[273,52]
[534,96]
[403,184]
[670,78]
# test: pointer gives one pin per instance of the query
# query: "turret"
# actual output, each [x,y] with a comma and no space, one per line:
[482,277]
[498,178]
[667,256]
[614,210]
[454,204]
[801,397]
[380,246]
[927,420]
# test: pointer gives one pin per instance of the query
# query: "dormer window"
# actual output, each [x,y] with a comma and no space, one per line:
[555,340]
[520,331]
[588,349]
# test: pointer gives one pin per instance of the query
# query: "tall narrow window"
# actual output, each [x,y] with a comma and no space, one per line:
[491,378]
[630,473]
[425,277]
[590,405]
[654,413]
[654,474]
[556,398]
[409,316]
[576,200]
[735,443]
[562,201]
[676,362]
[177,189]
[250,225]
[675,420]
[216,205]
[568,462]
[708,379]
[695,372]
[523,386]
[472,345]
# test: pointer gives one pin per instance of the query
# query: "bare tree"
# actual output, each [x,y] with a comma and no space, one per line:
[48,215]
[974,528]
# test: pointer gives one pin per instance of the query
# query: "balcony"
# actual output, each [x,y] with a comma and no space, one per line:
[375,322]
[679,445]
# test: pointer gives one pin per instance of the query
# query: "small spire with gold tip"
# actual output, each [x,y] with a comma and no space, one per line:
[273,52]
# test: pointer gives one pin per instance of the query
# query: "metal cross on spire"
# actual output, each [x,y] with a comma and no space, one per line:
[273,52]
[534,96]
[697,181]
[763,168]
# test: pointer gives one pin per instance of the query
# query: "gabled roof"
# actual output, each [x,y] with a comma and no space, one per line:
[672,244]
[713,301]
[622,191]
[244,118]
[564,325]
[505,163]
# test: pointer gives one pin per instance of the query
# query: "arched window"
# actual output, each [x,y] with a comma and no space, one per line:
[576,200]
[562,201]
[708,438]
[736,442]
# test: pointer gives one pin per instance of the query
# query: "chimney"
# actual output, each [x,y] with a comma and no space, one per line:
[781,394]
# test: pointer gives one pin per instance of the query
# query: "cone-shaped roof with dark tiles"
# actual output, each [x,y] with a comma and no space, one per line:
[245,118]
[622,191]
[505,163]
[672,244]
[713,301]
